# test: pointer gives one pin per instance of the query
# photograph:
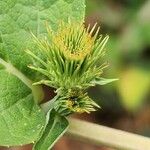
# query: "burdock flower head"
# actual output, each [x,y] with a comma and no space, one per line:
[71,61]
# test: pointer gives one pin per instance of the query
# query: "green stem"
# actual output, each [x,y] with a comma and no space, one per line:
[36,90]
[101,135]
[49,105]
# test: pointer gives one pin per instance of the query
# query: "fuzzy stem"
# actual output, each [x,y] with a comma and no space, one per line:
[101,135]
[36,90]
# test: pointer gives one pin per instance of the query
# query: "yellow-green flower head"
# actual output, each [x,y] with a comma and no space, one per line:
[71,60]
[71,57]
[73,40]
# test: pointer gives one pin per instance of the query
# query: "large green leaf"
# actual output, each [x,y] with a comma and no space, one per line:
[21,120]
[19,17]
[55,128]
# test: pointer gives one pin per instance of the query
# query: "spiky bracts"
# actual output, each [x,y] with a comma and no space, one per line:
[70,60]
[74,100]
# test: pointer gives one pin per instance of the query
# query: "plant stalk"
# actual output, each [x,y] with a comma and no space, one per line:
[105,136]
[36,90]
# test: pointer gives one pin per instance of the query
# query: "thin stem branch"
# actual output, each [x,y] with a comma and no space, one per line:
[101,135]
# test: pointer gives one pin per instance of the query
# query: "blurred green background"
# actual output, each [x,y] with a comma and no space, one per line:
[125,103]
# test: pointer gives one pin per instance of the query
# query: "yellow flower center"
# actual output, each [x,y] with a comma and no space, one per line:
[74,41]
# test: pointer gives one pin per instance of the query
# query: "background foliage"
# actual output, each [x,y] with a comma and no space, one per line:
[128,24]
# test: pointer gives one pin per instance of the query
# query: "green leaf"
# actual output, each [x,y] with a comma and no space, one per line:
[18,18]
[56,126]
[21,118]
[103,81]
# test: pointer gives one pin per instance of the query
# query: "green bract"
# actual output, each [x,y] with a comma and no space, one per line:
[70,57]
[71,61]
